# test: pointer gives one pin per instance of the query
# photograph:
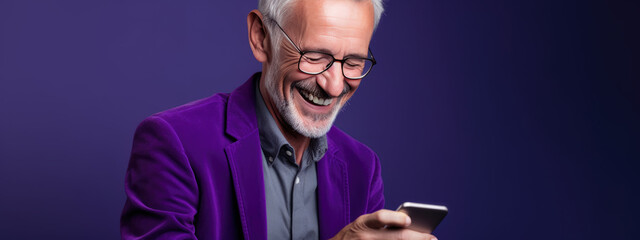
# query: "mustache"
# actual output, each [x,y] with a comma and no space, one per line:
[315,89]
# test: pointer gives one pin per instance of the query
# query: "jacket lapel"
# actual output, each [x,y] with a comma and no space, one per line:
[245,158]
[246,168]
[333,194]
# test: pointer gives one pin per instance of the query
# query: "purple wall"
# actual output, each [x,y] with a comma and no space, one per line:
[521,116]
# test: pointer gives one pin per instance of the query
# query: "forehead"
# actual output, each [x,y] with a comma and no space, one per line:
[340,25]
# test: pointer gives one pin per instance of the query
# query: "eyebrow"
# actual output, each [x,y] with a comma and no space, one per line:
[327,51]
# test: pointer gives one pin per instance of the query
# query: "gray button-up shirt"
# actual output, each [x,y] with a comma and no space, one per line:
[290,189]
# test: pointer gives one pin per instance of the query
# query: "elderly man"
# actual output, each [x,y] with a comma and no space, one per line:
[264,161]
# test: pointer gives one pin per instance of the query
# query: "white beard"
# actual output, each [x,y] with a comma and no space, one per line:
[291,115]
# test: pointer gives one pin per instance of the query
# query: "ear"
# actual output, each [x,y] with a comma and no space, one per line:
[258,36]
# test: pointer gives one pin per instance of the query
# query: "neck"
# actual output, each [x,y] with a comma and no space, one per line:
[298,141]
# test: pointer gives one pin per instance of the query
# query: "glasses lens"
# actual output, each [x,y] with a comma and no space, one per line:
[314,62]
[356,67]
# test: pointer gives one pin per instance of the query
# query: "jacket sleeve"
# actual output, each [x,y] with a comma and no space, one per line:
[162,192]
[376,189]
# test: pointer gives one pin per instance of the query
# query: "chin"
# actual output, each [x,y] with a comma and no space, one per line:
[306,125]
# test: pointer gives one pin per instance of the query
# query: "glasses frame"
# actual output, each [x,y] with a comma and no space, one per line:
[342,61]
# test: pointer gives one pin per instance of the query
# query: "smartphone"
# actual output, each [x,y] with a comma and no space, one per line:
[424,217]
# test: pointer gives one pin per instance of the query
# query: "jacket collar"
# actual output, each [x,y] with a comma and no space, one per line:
[241,111]
[245,160]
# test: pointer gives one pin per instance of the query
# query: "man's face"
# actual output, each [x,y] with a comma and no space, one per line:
[342,28]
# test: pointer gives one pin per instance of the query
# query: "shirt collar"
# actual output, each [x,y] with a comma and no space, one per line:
[271,139]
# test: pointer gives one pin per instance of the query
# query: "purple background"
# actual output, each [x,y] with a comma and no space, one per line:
[520,116]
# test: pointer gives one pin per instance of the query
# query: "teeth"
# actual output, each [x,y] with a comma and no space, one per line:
[316,100]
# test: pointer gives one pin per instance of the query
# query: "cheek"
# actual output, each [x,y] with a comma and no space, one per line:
[288,75]
[287,67]
[354,86]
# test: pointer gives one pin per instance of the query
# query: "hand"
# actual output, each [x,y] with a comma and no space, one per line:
[374,226]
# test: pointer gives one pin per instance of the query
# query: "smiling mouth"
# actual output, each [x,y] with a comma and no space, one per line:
[313,99]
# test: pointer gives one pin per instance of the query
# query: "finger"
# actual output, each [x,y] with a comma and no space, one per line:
[385,217]
[403,234]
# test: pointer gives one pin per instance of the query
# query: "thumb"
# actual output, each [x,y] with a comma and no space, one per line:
[384,218]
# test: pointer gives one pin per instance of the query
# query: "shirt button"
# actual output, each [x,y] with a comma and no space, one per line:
[297,180]
[289,153]
[270,159]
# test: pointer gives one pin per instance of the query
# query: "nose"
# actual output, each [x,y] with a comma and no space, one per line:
[332,80]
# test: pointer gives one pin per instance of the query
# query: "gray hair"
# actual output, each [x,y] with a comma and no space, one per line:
[278,9]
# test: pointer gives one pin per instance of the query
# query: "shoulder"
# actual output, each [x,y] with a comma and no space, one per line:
[206,108]
[350,149]
[197,121]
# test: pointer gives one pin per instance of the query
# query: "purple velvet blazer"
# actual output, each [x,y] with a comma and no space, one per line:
[196,173]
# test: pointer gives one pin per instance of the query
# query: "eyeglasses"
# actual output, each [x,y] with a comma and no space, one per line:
[314,62]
